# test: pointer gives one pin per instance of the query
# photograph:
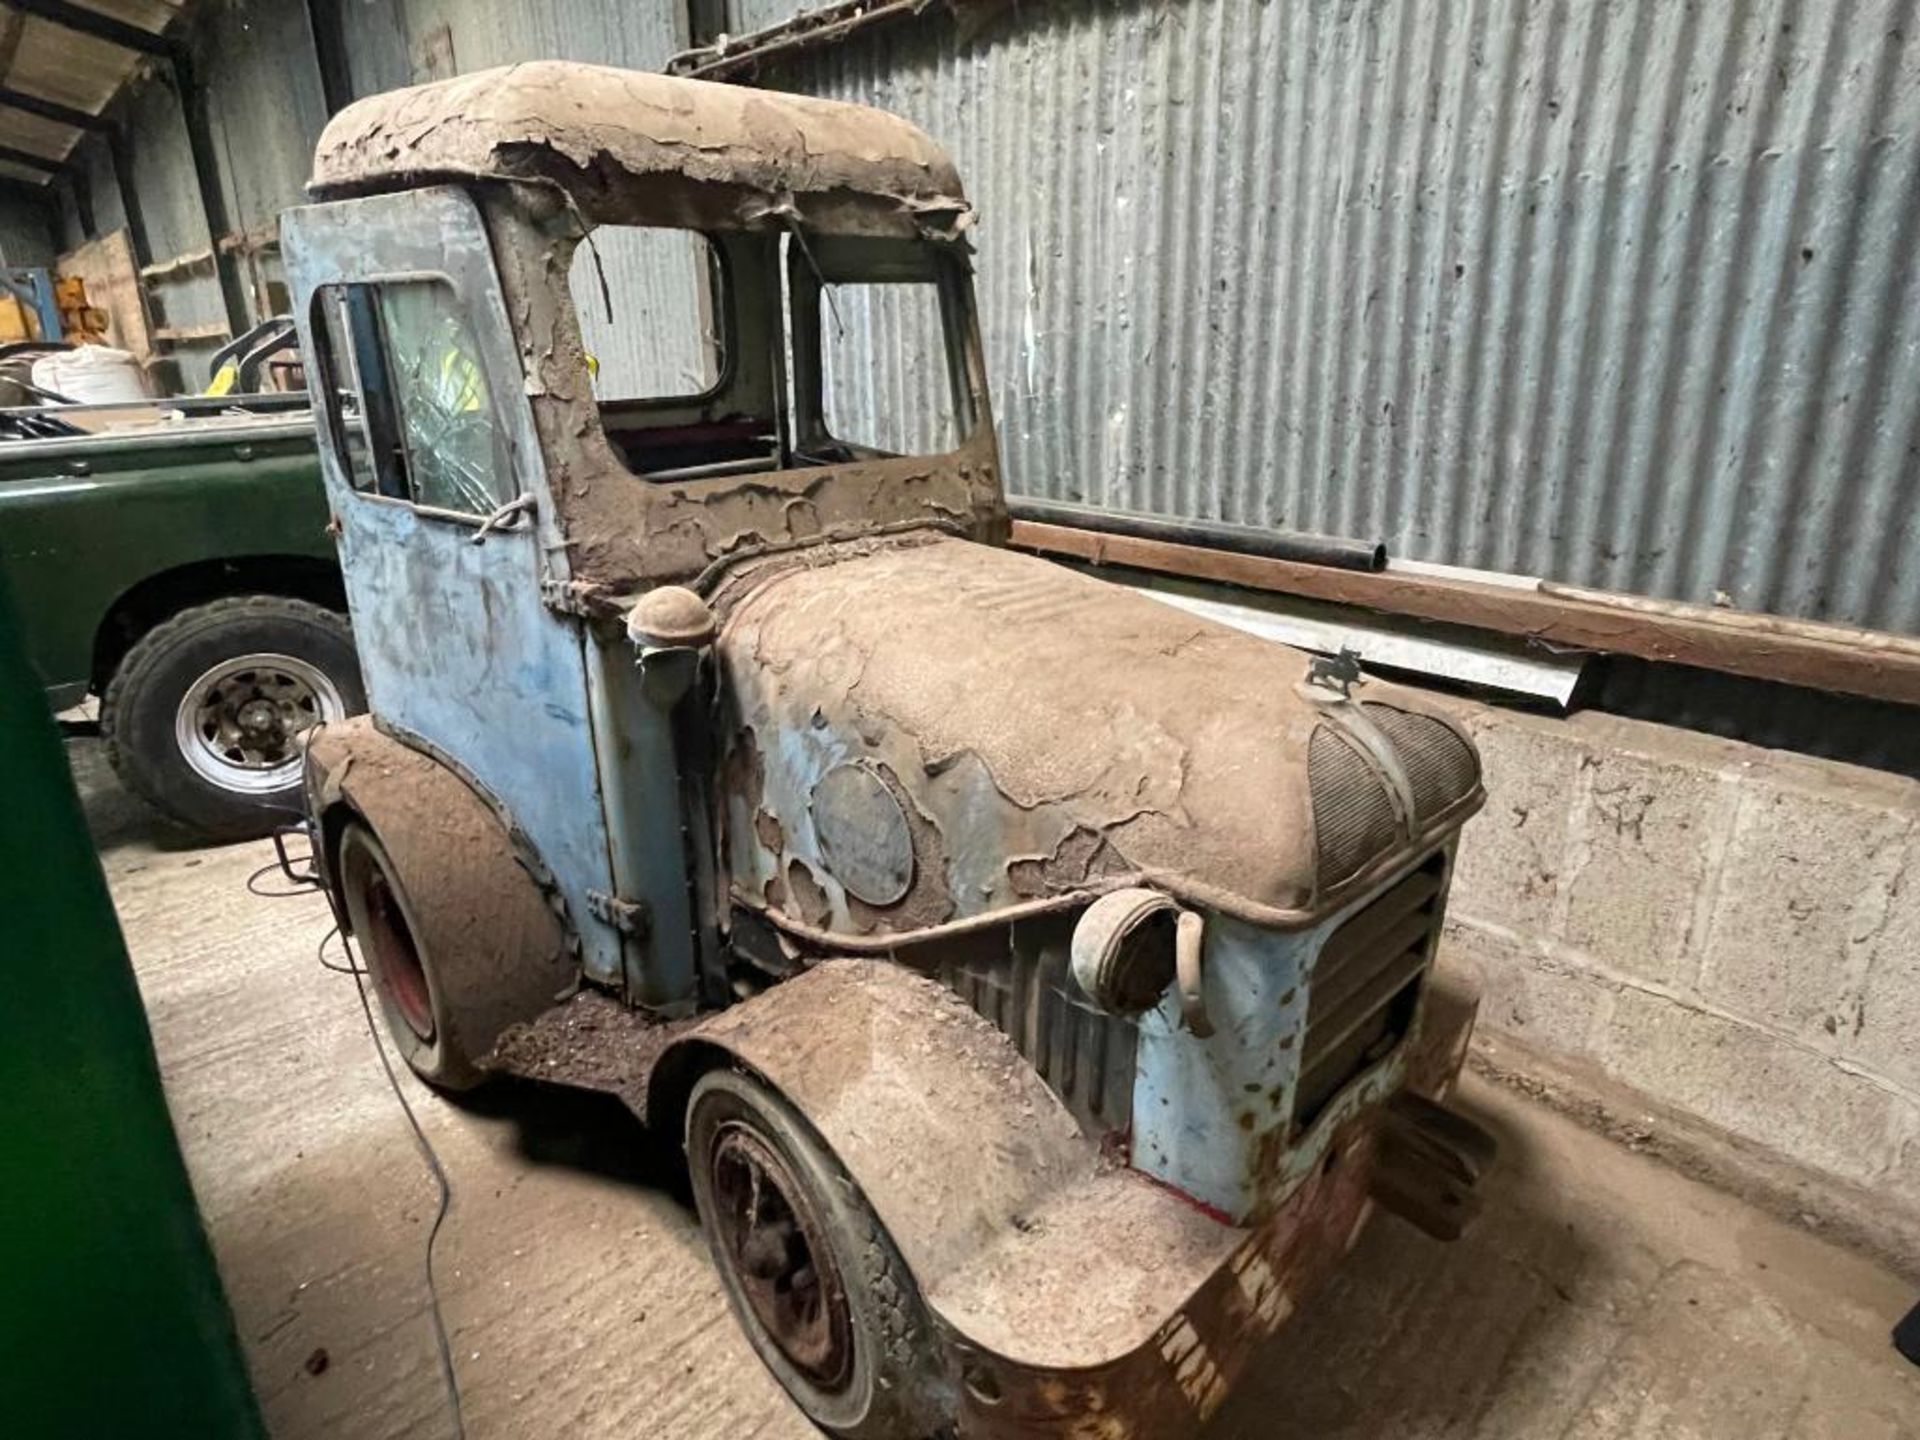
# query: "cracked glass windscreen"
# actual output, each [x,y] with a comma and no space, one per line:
[646,312]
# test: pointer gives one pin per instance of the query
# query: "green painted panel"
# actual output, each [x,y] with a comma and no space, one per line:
[82,524]
[112,1319]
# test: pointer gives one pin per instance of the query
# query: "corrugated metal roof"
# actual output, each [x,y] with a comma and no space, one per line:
[60,64]
[154,15]
[68,68]
[1621,294]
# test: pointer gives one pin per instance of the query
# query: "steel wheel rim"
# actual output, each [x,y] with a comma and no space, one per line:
[387,940]
[237,726]
[776,1249]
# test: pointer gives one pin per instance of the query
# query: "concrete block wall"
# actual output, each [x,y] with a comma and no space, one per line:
[1730,931]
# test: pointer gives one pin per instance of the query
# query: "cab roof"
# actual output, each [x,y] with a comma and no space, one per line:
[632,147]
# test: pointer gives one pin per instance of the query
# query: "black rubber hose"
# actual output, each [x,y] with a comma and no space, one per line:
[1211,534]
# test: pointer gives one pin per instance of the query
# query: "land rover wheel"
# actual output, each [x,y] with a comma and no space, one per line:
[810,1272]
[394,947]
[204,715]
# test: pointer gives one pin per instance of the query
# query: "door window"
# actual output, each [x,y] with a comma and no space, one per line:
[406,396]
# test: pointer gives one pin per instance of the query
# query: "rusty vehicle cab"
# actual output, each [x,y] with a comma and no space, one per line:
[1042,977]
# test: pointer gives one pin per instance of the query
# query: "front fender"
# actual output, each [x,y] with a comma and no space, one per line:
[1034,1252]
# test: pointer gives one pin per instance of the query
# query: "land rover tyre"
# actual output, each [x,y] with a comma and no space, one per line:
[396,950]
[202,717]
[810,1272]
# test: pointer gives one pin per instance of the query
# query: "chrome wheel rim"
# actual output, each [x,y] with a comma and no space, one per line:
[237,726]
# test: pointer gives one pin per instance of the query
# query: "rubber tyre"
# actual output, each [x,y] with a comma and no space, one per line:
[391,942]
[896,1389]
[137,712]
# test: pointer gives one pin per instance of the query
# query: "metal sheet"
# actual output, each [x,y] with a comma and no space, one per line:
[26,230]
[266,112]
[500,683]
[390,44]
[169,199]
[67,67]
[1614,293]
[1487,663]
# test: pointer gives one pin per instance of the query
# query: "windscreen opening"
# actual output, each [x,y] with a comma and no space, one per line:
[736,353]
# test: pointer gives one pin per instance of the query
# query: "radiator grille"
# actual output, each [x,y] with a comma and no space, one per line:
[1366,985]
[1353,817]
[1084,1055]
[1441,767]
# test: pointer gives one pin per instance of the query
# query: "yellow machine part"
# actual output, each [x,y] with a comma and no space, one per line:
[15,322]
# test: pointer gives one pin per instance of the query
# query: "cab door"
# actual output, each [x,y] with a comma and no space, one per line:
[444,523]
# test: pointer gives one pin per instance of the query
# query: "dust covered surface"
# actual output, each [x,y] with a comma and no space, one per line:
[739,155]
[623,534]
[592,1042]
[1603,1295]
[1222,1298]
[494,932]
[1048,733]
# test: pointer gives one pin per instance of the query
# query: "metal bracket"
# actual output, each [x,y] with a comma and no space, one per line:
[563,597]
[629,917]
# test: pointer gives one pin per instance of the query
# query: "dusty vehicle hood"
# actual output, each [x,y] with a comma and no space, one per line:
[1045,732]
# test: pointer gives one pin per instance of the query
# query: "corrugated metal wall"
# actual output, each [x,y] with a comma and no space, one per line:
[267,110]
[1620,292]
[391,43]
[169,200]
[26,230]
[655,310]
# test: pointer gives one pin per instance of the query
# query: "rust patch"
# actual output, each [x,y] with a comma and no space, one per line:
[767,830]
[808,897]
[743,773]
[1083,855]
[1173,1383]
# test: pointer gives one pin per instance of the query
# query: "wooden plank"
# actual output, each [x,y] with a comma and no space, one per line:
[107,266]
[187,334]
[179,265]
[1821,657]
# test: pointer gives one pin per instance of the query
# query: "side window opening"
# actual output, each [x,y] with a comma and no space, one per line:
[406,396]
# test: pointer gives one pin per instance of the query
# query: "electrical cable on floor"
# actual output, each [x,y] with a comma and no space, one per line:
[440,1340]
[310,881]
[253,885]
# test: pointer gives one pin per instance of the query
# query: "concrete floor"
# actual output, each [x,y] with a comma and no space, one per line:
[1601,1296]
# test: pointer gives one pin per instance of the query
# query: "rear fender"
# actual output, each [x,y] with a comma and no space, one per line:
[497,943]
